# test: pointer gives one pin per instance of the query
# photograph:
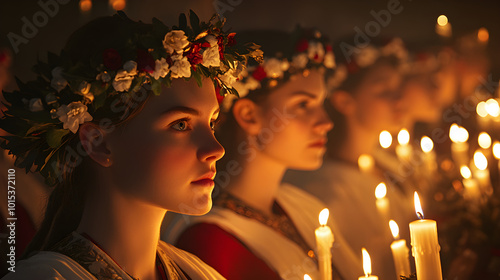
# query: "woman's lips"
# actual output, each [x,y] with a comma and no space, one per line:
[204,182]
[318,144]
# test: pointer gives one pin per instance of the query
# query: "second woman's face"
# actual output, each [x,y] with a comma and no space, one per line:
[165,156]
[295,123]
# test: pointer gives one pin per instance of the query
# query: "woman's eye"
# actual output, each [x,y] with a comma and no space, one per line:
[180,125]
[213,124]
[303,104]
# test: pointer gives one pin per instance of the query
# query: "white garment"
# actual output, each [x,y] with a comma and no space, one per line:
[350,196]
[280,253]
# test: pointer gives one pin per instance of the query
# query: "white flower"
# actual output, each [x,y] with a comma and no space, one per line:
[315,51]
[252,83]
[285,65]
[367,56]
[212,40]
[272,66]
[58,82]
[104,76]
[124,77]
[175,41]
[180,67]
[161,68]
[84,90]
[300,61]
[244,87]
[228,100]
[229,78]
[131,67]
[240,88]
[35,105]
[329,61]
[73,115]
[211,57]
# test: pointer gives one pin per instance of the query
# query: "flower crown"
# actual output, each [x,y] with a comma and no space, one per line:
[311,51]
[365,57]
[44,115]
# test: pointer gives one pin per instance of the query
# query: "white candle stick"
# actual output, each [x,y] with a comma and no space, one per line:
[399,252]
[324,243]
[459,145]
[470,184]
[425,246]
[429,155]
[367,267]
[403,150]
[481,172]
[382,202]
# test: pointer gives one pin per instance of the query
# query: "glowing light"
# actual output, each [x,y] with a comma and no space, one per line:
[492,107]
[307,277]
[483,35]
[367,262]
[458,134]
[380,191]
[496,150]
[118,4]
[481,109]
[85,5]
[484,140]
[323,216]
[385,139]
[403,137]
[480,161]
[418,207]
[394,229]
[442,20]
[365,162]
[465,172]
[426,144]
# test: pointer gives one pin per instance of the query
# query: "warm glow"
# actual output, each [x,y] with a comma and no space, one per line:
[483,35]
[307,277]
[380,191]
[458,134]
[323,216]
[85,5]
[481,109]
[465,172]
[418,207]
[367,262]
[426,144]
[480,161]
[365,162]
[385,139]
[442,20]
[403,137]
[492,107]
[463,135]
[394,229]
[496,150]
[118,4]
[484,140]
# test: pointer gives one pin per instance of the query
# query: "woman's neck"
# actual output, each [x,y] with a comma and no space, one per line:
[258,182]
[126,229]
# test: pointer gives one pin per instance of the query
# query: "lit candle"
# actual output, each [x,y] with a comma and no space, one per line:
[382,201]
[496,153]
[483,116]
[470,184]
[481,172]
[403,150]
[459,145]
[493,109]
[385,139]
[429,156]
[443,27]
[366,163]
[307,277]
[484,140]
[425,246]
[399,252]
[367,267]
[324,243]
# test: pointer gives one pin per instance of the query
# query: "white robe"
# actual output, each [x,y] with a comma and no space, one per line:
[280,253]
[47,265]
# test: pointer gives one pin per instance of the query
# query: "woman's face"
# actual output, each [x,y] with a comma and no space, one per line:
[375,100]
[165,155]
[295,123]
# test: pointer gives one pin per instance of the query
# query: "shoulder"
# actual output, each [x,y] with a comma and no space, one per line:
[48,265]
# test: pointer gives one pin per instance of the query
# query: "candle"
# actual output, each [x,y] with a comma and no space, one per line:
[324,243]
[496,153]
[484,140]
[470,184]
[459,145]
[366,163]
[399,252]
[481,172]
[382,201]
[385,139]
[403,150]
[307,277]
[429,156]
[443,27]
[483,116]
[425,246]
[367,267]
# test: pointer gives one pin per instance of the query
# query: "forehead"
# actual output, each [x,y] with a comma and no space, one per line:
[313,83]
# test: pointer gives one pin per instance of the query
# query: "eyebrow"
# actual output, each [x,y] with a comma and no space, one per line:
[186,110]
[301,92]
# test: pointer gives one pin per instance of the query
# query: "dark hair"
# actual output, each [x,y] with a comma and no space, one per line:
[66,202]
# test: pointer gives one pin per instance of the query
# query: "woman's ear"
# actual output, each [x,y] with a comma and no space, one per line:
[93,140]
[246,114]
[343,102]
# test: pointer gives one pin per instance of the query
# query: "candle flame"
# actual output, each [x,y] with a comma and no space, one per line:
[323,216]
[418,207]
[484,140]
[307,277]
[385,139]
[483,35]
[403,137]
[465,172]
[481,109]
[367,262]
[442,20]
[496,150]
[480,161]
[426,144]
[394,229]
[380,191]
[492,107]
[458,134]
[365,162]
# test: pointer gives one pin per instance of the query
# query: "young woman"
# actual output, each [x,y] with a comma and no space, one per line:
[260,228]
[363,102]
[111,124]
